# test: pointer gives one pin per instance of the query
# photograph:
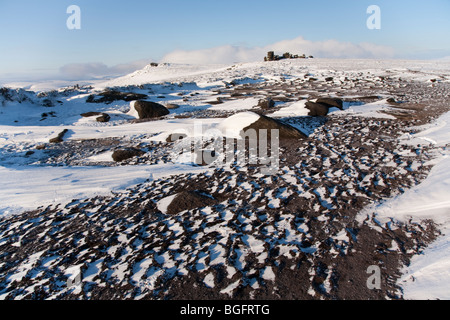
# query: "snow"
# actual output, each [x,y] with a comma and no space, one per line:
[232,126]
[133,112]
[102,157]
[26,188]
[209,280]
[237,105]
[370,110]
[436,133]
[164,72]
[164,203]
[428,276]
[296,109]
[268,274]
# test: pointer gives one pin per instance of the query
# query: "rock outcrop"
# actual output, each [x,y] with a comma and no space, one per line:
[148,110]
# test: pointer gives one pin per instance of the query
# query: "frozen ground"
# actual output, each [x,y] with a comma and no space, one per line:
[381,163]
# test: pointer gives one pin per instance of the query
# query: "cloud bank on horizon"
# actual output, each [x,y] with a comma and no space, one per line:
[94,70]
[228,54]
[324,49]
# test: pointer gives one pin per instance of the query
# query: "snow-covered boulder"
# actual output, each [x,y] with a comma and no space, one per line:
[237,124]
[232,126]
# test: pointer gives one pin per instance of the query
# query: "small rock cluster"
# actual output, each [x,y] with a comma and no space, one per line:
[272,57]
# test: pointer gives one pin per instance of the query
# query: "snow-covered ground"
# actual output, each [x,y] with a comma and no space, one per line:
[428,276]
[31,187]
[27,183]
[211,74]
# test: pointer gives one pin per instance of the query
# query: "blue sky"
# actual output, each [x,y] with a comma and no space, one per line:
[35,39]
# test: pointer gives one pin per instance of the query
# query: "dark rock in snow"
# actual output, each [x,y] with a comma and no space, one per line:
[317,109]
[60,137]
[101,117]
[392,101]
[216,102]
[125,154]
[47,103]
[104,118]
[188,200]
[266,103]
[90,114]
[171,106]
[175,137]
[285,131]
[110,96]
[366,98]
[332,102]
[147,109]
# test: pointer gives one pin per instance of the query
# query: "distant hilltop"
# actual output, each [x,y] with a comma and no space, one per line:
[272,57]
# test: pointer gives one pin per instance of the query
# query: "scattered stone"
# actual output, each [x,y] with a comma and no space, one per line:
[216,102]
[90,114]
[48,103]
[40,147]
[188,200]
[332,102]
[110,96]
[104,118]
[60,137]
[125,154]
[392,101]
[266,103]
[175,137]
[365,98]
[172,106]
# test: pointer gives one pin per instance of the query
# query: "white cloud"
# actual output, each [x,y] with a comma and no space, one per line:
[324,49]
[226,54]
